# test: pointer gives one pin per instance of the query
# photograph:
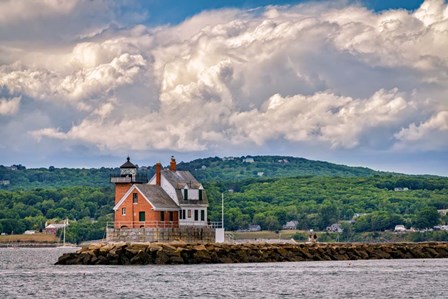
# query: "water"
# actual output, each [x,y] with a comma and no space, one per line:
[30,273]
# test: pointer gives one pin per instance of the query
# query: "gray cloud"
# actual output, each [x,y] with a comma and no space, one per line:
[313,76]
[9,106]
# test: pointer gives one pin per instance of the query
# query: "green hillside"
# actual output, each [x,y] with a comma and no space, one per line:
[263,190]
[19,177]
[205,170]
[317,202]
[235,168]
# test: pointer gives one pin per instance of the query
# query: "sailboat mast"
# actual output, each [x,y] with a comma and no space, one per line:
[65,224]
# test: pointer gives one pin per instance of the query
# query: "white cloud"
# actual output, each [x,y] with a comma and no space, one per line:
[48,132]
[342,77]
[336,120]
[429,134]
[13,11]
[90,73]
[9,106]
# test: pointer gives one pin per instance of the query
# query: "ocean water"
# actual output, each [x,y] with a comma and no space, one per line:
[31,273]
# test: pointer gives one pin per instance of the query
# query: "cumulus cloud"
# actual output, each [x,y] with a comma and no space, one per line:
[429,134]
[338,77]
[9,106]
[91,72]
[16,11]
[325,117]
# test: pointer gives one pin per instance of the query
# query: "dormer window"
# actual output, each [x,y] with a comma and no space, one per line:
[200,194]
[185,194]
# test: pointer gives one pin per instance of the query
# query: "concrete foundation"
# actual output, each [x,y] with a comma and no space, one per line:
[186,234]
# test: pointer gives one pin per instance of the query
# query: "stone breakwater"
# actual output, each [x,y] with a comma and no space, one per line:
[160,253]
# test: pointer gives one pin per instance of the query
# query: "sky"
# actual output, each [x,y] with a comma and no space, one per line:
[85,83]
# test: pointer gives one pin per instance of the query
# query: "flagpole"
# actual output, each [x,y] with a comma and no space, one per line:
[222,209]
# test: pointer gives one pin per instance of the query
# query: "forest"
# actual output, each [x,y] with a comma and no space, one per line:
[318,202]
[267,190]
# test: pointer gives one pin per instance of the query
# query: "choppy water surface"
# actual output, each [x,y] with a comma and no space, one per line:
[30,273]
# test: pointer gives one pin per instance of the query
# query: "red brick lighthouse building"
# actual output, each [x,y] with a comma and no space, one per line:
[171,198]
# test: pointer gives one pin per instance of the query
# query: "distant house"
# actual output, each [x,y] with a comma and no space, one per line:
[335,228]
[260,173]
[399,228]
[401,189]
[443,212]
[54,227]
[283,161]
[291,225]
[254,228]
[4,182]
[228,158]
[29,232]
[248,160]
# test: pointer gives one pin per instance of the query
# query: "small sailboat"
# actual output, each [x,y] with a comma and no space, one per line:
[64,245]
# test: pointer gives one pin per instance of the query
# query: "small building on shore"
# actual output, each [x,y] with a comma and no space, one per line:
[291,225]
[399,228]
[52,228]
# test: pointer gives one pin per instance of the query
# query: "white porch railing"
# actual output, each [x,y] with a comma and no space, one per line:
[143,224]
[162,224]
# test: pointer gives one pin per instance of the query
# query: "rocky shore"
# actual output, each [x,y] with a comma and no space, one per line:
[161,254]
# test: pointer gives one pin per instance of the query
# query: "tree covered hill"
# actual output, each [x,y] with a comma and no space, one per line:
[264,190]
[240,168]
[18,177]
[381,202]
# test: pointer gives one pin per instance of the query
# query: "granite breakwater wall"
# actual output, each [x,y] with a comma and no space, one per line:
[164,253]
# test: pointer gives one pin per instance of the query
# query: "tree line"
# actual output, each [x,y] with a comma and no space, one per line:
[367,204]
[316,194]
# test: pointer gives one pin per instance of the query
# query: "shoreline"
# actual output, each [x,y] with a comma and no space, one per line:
[35,245]
[213,253]
[27,245]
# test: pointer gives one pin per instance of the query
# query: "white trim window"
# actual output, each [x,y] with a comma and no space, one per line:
[123,211]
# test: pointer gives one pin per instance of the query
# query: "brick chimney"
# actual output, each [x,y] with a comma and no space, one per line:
[173,164]
[158,173]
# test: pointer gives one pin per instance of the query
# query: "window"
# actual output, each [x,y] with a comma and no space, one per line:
[202,215]
[171,216]
[141,216]
[189,213]
[162,216]
[135,198]
[200,194]
[183,214]
[196,215]
[123,211]
[186,194]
